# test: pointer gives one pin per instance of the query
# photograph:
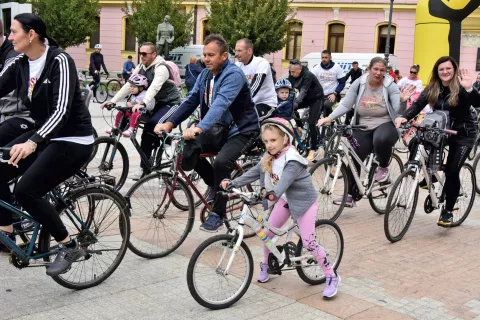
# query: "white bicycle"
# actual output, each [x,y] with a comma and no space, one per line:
[221,268]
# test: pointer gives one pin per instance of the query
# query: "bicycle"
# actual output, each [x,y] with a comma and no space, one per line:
[211,267]
[193,120]
[329,173]
[103,236]
[114,85]
[101,93]
[105,162]
[403,198]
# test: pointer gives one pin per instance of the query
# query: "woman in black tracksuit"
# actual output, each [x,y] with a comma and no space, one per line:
[62,139]
[450,89]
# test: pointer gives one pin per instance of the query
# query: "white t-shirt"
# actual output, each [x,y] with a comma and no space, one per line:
[328,78]
[36,68]
[405,81]
[266,94]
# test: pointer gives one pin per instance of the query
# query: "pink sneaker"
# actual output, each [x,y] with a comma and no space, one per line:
[263,276]
[127,133]
[108,131]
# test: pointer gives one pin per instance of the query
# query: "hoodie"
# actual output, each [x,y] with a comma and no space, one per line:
[309,89]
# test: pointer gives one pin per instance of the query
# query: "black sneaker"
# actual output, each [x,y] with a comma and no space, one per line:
[3,248]
[445,219]
[64,259]
[423,183]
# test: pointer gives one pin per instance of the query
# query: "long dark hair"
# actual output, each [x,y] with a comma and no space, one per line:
[30,21]
[435,86]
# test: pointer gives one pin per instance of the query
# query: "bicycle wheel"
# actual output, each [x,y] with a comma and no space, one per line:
[399,211]
[326,208]
[476,169]
[113,86]
[105,214]
[102,93]
[205,273]
[109,160]
[466,195]
[158,227]
[473,152]
[330,237]
[378,198]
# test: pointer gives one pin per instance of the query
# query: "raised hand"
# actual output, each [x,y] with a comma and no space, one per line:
[465,79]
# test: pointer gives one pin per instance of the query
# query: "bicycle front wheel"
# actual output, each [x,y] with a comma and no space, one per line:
[399,210]
[159,227]
[103,238]
[330,237]
[466,195]
[102,93]
[207,282]
[113,86]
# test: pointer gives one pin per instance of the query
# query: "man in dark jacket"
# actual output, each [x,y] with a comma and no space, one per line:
[192,70]
[354,73]
[310,94]
[14,116]
[96,63]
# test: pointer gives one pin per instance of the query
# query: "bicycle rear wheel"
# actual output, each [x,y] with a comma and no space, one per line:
[102,93]
[105,214]
[378,198]
[330,237]
[476,169]
[399,211]
[159,227]
[466,195]
[206,280]
[113,86]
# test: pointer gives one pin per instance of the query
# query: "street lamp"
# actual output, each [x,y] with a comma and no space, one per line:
[387,45]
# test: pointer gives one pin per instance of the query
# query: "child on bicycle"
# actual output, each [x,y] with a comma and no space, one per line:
[285,98]
[138,89]
[283,174]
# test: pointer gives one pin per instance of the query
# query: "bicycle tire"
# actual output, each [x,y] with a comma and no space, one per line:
[338,256]
[93,193]
[377,206]
[471,197]
[226,240]
[105,168]
[473,152]
[343,173]
[390,207]
[101,95]
[149,210]
[113,86]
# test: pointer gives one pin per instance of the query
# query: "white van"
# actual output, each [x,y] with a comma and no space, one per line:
[344,60]
[181,56]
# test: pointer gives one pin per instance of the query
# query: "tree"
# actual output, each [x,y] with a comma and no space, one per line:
[262,21]
[145,15]
[69,22]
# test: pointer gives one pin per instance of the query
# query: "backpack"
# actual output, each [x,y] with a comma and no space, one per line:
[173,72]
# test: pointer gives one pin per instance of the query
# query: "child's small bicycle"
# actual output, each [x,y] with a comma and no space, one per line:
[216,282]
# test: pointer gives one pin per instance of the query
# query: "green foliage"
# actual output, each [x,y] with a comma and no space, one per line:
[262,21]
[69,22]
[145,15]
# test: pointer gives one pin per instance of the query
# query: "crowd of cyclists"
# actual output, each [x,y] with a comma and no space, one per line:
[46,123]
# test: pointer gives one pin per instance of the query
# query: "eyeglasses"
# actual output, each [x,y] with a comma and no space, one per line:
[143,54]
[295,62]
[413,72]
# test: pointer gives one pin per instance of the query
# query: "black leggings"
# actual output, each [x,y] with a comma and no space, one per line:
[457,155]
[42,171]
[327,108]
[381,140]
[313,116]
[12,128]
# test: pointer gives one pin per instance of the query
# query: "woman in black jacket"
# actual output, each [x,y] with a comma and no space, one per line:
[62,139]
[450,89]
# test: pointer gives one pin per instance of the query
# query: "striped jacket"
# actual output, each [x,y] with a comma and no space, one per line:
[57,106]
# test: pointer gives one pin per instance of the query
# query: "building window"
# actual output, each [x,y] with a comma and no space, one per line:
[129,37]
[7,19]
[382,38]
[336,36]
[206,28]
[294,40]
[95,37]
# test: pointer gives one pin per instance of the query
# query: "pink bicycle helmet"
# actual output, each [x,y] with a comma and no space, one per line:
[282,124]
[138,80]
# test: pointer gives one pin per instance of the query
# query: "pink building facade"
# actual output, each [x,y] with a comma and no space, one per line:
[342,26]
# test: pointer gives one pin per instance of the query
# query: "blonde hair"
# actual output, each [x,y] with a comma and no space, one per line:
[267,161]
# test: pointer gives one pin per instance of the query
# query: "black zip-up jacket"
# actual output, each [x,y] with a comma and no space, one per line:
[96,62]
[308,86]
[461,118]
[354,75]
[6,52]
[57,106]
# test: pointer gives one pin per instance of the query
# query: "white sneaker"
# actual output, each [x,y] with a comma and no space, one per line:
[137,175]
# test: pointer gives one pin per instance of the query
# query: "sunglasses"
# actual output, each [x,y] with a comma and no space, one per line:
[144,54]
[413,72]
[295,62]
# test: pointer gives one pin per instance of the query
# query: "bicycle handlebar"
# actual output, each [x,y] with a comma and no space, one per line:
[421,128]
[111,106]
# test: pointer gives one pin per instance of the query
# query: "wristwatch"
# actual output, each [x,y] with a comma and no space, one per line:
[34,145]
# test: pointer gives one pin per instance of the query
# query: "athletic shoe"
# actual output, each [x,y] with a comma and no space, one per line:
[64,259]
[445,219]
[331,286]
[311,155]
[263,276]
[213,223]
[350,203]
[382,174]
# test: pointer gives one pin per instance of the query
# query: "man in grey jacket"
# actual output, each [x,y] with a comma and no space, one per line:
[14,116]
